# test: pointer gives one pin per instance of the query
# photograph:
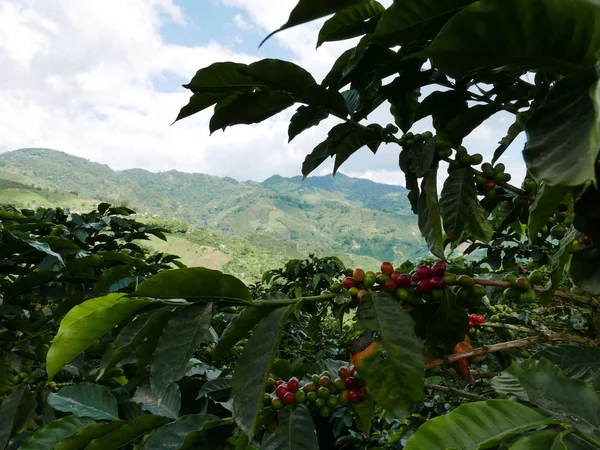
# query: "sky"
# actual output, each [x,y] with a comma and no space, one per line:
[101,79]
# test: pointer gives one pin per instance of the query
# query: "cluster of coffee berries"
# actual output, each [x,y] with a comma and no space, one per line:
[470,293]
[488,179]
[520,290]
[463,159]
[410,139]
[500,312]
[322,394]
[475,320]
[391,128]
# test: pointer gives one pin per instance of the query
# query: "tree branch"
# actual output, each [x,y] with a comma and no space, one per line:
[457,392]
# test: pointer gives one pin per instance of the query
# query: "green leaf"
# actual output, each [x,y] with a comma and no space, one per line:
[178,341]
[308,10]
[587,214]
[326,148]
[447,326]
[458,201]
[202,100]
[412,182]
[430,220]
[194,284]
[544,206]
[476,425]
[352,98]
[410,20]
[83,436]
[365,413]
[85,324]
[421,157]
[396,380]
[480,228]
[85,400]
[352,142]
[8,415]
[165,404]
[351,22]
[252,370]
[239,327]
[544,35]
[295,431]
[584,269]
[249,108]
[563,135]
[52,433]
[128,433]
[132,334]
[513,132]
[336,73]
[541,439]
[576,360]
[404,104]
[304,118]
[462,124]
[221,77]
[218,388]
[280,75]
[212,436]
[567,399]
[507,384]
[172,435]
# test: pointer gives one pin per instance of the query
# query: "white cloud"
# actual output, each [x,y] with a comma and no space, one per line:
[81,76]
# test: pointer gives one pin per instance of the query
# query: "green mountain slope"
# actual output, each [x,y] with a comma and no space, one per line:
[353,218]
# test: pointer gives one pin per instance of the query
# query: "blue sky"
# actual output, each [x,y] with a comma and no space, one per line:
[101,79]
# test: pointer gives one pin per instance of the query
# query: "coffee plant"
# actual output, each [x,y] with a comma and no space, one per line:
[107,347]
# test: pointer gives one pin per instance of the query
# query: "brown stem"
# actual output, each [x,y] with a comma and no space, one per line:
[457,392]
[449,359]
[539,289]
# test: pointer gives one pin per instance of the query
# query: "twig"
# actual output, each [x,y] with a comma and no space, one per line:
[449,359]
[457,392]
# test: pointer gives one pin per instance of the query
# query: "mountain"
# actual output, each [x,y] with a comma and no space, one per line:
[354,218]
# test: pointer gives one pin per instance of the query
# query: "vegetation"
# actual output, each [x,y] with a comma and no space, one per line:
[497,352]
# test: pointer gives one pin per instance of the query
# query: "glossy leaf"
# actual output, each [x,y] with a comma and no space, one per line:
[252,370]
[326,148]
[295,431]
[280,75]
[221,77]
[408,20]
[510,35]
[480,228]
[404,104]
[542,439]
[576,360]
[194,284]
[83,436]
[8,415]
[396,380]
[85,400]
[128,433]
[421,156]
[202,100]
[308,10]
[584,269]
[239,327]
[563,135]
[412,182]
[165,404]
[249,108]
[304,118]
[178,341]
[567,399]
[458,201]
[354,21]
[132,334]
[365,413]
[213,435]
[544,206]
[172,435]
[517,127]
[85,324]
[52,433]
[447,326]
[457,127]
[430,220]
[476,425]
[352,142]
[506,383]
[217,388]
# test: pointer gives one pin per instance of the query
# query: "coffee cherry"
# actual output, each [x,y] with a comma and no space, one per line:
[323,392]
[558,232]
[439,269]
[348,283]
[352,370]
[309,387]
[315,379]
[279,383]
[529,186]
[312,396]
[336,288]
[395,274]
[300,397]
[355,395]
[509,277]
[466,281]
[369,280]
[489,185]
[266,399]
[478,290]
[382,278]
[536,277]
[332,401]
[423,272]
[339,384]
[476,159]
[343,398]
[358,275]
[437,282]
[389,285]
[276,403]
[281,390]
[387,268]
[320,403]
[449,279]
[403,281]
[289,398]
[325,381]
[325,411]
[528,296]
[361,294]
[487,170]
[344,372]
[402,294]
[293,384]
[353,291]
[424,286]
[351,383]
[522,283]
